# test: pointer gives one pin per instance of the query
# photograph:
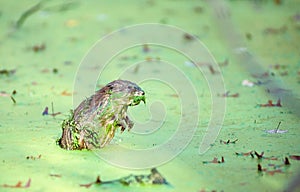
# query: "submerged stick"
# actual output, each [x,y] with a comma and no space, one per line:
[13,99]
[27,13]
[52,108]
[35,8]
[276,130]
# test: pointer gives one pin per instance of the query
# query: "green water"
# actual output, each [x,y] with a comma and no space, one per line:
[68,31]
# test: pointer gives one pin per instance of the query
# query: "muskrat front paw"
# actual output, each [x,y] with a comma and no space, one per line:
[129,123]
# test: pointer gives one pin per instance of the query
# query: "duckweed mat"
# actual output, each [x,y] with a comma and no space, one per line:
[42,44]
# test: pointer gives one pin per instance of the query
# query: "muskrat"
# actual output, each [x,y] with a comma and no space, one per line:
[94,122]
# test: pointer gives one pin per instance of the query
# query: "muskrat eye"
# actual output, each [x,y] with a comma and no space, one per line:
[110,86]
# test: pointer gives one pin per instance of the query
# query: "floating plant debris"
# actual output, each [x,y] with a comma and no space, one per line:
[188,37]
[272,172]
[98,181]
[174,95]
[212,70]
[224,63]
[278,66]
[126,57]
[151,59]
[54,114]
[45,112]
[248,36]
[227,94]
[229,141]
[259,168]
[67,62]
[55,70]
[13,99]
[215,160]
[277,130]
[269,172]
[261,82]
[88,185]
[244,154]
[295,157]
[276,31]
[54,175]
[4,94]
[259,156]
[18,185]
[154,178]
[271,158]
[7,72]
[39,48]
[146,48]
[286,161]
[262,75]
[274,166]
[52,110]
[271,104]
[281,69]
[34,158]
[66,93]
[45,70]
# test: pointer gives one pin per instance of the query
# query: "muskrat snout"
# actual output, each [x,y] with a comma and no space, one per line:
[138,97]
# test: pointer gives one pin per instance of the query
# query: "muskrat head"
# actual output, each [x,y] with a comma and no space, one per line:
[126,93]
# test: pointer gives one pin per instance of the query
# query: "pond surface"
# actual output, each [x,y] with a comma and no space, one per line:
[222,93]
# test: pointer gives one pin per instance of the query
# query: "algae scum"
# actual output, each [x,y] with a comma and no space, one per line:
[253,49]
